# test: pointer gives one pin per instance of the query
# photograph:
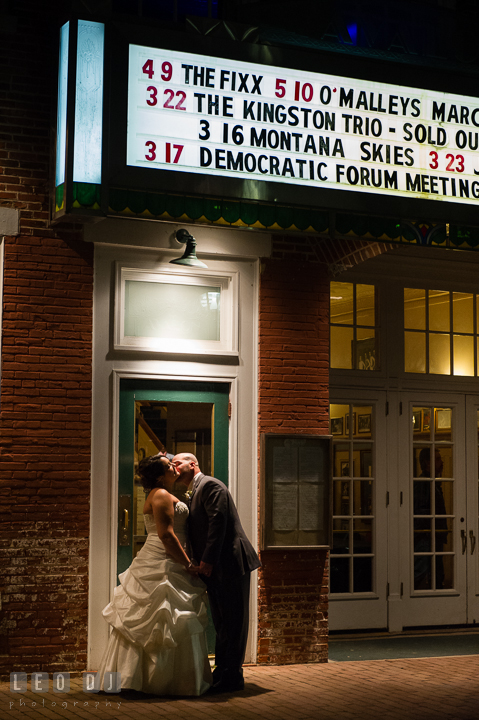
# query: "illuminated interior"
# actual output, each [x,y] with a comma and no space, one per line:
[171,427]
[353,326]
[440,332]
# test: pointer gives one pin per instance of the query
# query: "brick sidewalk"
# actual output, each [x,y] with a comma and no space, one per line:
[418,689]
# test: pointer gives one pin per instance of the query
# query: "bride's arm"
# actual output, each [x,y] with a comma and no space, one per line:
[163,512]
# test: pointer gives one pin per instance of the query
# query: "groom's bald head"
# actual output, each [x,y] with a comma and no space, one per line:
[187,467]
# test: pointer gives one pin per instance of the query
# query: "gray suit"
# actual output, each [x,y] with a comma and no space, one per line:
[217,537]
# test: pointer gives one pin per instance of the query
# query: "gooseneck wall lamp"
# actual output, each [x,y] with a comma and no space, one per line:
[189,256]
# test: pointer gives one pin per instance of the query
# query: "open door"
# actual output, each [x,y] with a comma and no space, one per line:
[174,416]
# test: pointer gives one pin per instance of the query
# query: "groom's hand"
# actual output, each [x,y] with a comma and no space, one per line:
[205,569]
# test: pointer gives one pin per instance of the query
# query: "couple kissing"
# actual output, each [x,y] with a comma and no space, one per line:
[195,552]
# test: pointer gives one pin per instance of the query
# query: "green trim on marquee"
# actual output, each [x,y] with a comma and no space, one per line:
[236,213]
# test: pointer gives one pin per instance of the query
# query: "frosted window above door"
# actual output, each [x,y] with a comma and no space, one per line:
[170,311]
[164,310]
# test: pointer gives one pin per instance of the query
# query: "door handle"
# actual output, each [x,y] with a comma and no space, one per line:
[124,510]
[473,541]
[464,541]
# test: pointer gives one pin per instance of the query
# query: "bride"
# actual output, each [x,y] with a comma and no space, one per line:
[158,613]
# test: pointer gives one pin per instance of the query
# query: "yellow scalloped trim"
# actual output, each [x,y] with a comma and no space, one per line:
[240,223]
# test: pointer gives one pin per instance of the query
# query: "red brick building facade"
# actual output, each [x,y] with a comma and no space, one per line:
[46,394]
[45,414]
[62,370]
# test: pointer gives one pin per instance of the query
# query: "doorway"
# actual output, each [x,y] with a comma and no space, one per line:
[438,509]
[172,417]
[405,526]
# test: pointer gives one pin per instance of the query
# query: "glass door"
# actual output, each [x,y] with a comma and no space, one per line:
[433,492]
[165,416]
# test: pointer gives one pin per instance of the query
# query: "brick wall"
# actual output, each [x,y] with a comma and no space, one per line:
[45,389]
[293,398]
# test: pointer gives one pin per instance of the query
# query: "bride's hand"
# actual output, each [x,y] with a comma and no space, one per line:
[192,569]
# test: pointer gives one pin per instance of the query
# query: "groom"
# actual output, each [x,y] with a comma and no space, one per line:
[226,559]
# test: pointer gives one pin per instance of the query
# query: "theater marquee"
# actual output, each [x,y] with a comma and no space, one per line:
[196,114]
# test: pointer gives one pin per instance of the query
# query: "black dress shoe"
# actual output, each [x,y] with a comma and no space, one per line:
[223,686]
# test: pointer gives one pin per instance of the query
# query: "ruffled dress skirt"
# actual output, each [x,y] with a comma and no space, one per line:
[158,616]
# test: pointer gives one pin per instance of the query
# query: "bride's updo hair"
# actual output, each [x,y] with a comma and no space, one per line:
[150,470]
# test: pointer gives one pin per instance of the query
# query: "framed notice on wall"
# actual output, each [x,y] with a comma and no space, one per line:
[295,491]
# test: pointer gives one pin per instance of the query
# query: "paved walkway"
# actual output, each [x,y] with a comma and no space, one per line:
[445,688]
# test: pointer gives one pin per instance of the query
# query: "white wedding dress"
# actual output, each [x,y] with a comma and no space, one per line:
[158,616]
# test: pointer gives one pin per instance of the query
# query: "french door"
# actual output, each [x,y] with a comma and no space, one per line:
[438,509]
[405,510]
[358,558]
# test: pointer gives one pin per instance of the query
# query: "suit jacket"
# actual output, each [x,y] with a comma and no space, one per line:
[215,532]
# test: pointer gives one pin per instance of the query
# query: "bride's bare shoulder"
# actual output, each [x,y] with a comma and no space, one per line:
[158,497]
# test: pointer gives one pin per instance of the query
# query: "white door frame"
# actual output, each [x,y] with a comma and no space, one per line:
[109,367]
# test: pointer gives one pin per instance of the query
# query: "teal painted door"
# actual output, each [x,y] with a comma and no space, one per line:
[176,416]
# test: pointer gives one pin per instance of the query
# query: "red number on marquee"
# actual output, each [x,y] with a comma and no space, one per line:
[449,167]
[434,164]
[152,154]
[182,96]
[153,93]
[280,88]
[167,71]
[178,148]
[306,91]
[179,105]
[148,68]
[172,95]
[460,163]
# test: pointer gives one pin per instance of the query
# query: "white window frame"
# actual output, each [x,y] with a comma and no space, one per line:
[228,283]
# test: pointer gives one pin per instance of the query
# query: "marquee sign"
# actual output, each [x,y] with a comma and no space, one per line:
[215,117]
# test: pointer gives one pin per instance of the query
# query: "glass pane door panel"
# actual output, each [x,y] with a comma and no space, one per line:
[362,574]
[421,424]
[339,579]
[362,497]
[445,572]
